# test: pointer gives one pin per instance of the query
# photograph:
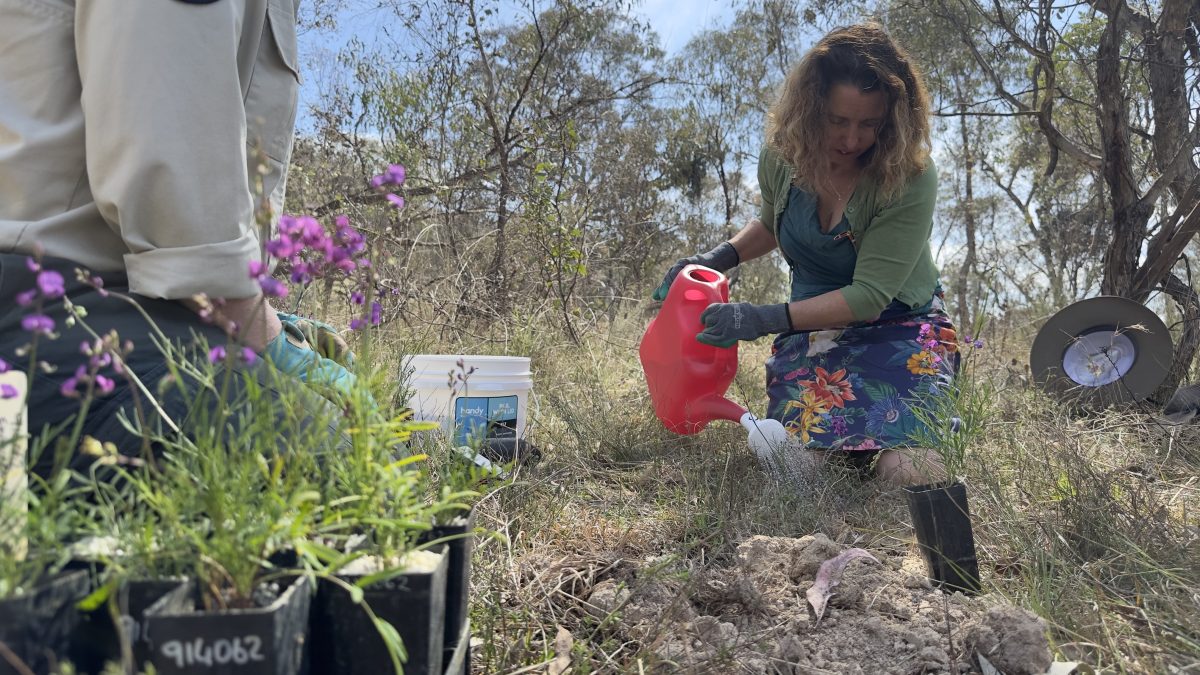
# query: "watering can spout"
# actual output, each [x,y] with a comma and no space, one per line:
[713,407]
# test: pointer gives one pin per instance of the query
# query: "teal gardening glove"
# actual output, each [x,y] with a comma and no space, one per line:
[722,259]
[291,354]
[323,338]
[727,322]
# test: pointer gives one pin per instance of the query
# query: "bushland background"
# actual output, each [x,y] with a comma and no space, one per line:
[559,159]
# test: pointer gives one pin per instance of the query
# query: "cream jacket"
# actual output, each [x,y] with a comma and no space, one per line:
[142,135]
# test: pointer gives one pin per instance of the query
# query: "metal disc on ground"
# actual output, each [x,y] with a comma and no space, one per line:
[1103,350]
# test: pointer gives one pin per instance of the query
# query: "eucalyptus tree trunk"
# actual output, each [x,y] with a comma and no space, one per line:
[1178,179]
[966,272]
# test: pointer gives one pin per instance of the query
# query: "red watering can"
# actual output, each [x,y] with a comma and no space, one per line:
[688,379]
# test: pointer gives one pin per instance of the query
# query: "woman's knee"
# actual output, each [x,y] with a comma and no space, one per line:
[909,467]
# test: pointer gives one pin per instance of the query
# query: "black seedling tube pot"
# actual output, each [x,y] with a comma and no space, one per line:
[458,655]
[346,642]
[458,536]
[99,640]
[943,526]
[38,626]
[271,640]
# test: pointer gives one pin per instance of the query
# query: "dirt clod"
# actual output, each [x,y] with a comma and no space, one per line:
[1013,640]
[752,617]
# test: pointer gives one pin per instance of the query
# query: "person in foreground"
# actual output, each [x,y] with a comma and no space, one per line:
[149,147]
[848,192]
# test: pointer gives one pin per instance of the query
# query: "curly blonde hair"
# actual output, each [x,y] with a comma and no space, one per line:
[865,56]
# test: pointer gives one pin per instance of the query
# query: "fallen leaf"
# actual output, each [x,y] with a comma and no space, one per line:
[986,666]
[830,575]
[563,643]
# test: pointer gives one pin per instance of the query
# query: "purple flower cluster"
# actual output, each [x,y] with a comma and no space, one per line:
[977,343]
[392,177]
[218,354]
[930,342]
[102,353]
[6,390]
[313,252]
[374,318]
[49,286]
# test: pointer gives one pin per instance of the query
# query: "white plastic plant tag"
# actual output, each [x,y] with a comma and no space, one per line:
[13,480]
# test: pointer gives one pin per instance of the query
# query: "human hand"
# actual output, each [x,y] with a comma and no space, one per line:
[322,337]
[291,354]
[727,322]
[722,259]
[251,320]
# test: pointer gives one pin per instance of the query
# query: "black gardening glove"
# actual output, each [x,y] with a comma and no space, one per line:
[722,259]
[727,322]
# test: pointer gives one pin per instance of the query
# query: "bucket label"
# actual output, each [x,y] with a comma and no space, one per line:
[484,417]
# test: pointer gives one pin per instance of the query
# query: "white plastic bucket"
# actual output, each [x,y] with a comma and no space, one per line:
[492,402]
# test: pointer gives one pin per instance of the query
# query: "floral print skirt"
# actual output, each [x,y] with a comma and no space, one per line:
[854,389]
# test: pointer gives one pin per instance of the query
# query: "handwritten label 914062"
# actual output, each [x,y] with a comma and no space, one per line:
[191,653]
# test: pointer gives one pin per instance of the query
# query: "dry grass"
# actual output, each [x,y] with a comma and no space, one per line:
[1091,522]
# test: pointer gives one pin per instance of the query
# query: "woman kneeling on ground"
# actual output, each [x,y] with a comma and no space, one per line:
[848,193]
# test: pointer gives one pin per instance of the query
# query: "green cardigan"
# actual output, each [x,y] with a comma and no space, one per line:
[891,238]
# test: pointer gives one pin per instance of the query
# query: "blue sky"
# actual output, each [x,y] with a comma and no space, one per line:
[675,21]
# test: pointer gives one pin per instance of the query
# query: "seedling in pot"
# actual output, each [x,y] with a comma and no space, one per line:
[951,414]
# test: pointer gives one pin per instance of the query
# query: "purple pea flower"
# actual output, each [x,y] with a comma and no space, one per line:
[249,355]
[376,314]
[50,283]
[357,324]
[272,288]
[257,269]
[70,387]
[4,367]
[216,354]
[8,391]
[358,298]
[104,384]
[33,265]
[26,298]
[979,343]
[38,323]
[283,247]
[393,175]
[301,273]
[396,200]
[291,225]
[100,360]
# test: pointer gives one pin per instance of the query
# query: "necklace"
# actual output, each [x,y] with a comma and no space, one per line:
[838,193]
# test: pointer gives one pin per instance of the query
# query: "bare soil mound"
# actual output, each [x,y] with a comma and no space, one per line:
[752,617]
